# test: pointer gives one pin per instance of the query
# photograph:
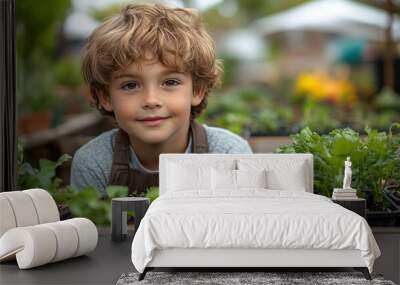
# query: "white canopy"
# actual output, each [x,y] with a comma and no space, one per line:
[337,16]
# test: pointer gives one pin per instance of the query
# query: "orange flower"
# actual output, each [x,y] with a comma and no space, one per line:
[321,87]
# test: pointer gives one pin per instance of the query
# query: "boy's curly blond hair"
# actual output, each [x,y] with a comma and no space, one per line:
[174,36]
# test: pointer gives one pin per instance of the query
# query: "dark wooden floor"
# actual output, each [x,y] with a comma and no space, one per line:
[110,259]
[102,266]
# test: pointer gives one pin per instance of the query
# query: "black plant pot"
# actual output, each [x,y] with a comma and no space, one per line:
[382,218]
[396,200]
[389,217]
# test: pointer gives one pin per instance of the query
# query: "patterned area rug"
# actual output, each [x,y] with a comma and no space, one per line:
[269,278]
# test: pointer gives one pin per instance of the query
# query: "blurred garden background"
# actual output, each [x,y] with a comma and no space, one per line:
[326,70]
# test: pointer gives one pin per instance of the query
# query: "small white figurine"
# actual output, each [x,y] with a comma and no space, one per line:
[347,174]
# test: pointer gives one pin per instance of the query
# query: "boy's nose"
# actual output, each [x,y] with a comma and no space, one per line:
[150,99]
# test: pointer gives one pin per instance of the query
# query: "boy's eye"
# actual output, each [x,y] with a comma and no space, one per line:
[171,82]
[130,86]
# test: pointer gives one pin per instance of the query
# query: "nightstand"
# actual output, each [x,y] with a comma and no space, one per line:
[120,206]
[356,205]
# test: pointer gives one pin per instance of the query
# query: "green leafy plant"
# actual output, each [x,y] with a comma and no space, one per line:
[42,177]
[85,202]
[152,193]
[247,110]
[36,87]
[67,73]
[387,99]
[375,158]
[318,117]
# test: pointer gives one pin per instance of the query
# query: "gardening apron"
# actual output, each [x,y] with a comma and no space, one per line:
[136,180]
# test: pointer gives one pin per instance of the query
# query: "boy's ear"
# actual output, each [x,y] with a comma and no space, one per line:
[198,97]
[105,101]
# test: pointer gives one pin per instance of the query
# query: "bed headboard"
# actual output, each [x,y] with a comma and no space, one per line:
[212,159]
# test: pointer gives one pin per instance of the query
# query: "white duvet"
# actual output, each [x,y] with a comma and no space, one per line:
[252,218]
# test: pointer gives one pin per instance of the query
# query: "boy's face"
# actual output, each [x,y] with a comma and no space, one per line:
[152,102]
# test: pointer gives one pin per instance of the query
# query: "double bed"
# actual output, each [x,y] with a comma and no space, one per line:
[247,210]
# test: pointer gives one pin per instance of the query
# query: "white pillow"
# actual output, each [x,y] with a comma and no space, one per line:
[223,179]
[182,177]
[228,179]
[251,178]
[282,174]
[293,180]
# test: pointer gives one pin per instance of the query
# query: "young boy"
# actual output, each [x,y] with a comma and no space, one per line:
[152,69]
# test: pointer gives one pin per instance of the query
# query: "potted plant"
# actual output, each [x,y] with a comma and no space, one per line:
[36,100]
[39,117]
[375,158]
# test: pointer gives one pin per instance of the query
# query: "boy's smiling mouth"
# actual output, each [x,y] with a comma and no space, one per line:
[153,121]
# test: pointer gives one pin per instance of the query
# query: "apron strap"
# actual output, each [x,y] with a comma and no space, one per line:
[140,182]
[200,142]
[120,166]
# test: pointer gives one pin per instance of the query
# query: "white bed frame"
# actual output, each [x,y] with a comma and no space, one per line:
[250,258]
